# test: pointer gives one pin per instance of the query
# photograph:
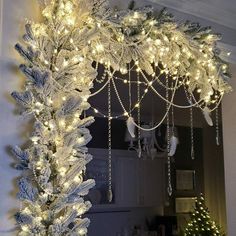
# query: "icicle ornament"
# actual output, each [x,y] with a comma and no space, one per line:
[174,141]
[207,116]
[131,126]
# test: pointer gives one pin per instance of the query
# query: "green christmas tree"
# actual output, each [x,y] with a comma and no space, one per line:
[200,222]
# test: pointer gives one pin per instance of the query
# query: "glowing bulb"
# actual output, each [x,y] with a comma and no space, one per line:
[123,70]
[51,126]
[125,81]
[126,113]
[136,14]
[77,179]
[62,171]
[24,228]
[158,42]
[64,98]
[95,110]
[65,63]
[137,105]
[82,231]
[71,40]
[146,90]
[62,123]
[224,67]
[70,21]
[69,128]
[152,23]
[100,48]
[80,140]
[77,115]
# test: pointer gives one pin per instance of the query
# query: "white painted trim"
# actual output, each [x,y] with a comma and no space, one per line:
[221,14]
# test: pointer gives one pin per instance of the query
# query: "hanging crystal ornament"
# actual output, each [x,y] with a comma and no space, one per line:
[191,130]
[139,116]
[130,120]
[217,127]
[173,138]
[110,194]
[169,188]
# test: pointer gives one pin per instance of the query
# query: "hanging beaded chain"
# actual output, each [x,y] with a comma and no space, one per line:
[217,128]
[169,188]
[172,114]
[192,131]
[139,117]
[110,195]
[130,94]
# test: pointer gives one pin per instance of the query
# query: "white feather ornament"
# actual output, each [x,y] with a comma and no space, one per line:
[174,141]
[131,126]
[206,113]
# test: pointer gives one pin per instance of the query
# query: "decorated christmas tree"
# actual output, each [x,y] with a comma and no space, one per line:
[200,223]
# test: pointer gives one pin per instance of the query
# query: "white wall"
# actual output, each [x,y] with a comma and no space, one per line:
[13,13]
[229,130]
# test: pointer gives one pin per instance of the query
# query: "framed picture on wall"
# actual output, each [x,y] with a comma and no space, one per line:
[184,204]
[185,180]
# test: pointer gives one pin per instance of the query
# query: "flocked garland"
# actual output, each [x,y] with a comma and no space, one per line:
[59,74]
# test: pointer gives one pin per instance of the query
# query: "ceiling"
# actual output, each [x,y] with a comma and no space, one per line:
[218,11]
[220,14]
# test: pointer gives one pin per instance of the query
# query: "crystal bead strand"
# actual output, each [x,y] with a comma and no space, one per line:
[192,131]
[217,128]
[172,114]
[110,195]
[139,117]
[130,94]
[169,188]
